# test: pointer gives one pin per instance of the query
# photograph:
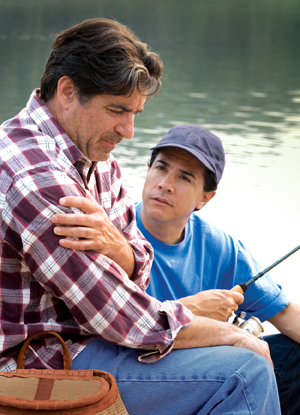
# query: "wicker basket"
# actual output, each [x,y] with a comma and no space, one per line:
[53,392]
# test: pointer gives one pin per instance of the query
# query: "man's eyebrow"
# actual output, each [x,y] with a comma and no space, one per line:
[125,108]
[188,173]
[165,163]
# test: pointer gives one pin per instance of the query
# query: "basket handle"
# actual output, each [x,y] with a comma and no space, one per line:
[66,354]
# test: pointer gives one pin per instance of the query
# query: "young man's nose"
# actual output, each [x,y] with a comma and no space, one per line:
[167,185]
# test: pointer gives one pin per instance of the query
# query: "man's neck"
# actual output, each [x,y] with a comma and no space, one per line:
[168,232]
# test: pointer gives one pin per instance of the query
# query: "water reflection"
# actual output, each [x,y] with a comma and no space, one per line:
[251,134]
[232,67]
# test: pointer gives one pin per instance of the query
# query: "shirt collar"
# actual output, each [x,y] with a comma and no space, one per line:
[49,126]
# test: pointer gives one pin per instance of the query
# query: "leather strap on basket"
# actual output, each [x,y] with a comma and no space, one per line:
[66,354]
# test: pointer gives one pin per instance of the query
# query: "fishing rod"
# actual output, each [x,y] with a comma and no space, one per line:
[253,325]
[243,286]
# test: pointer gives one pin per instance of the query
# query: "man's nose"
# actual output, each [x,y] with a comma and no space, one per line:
[167,184]
[126,127]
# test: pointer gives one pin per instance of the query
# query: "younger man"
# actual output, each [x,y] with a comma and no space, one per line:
[197,262]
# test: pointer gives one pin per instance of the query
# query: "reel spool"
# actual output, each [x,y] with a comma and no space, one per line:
[252,325]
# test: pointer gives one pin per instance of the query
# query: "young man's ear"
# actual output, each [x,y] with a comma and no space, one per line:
[206,197]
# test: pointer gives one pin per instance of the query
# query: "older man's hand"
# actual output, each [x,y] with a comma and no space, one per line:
[92,230]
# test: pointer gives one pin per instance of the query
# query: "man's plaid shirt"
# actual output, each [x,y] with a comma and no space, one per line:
[43,286]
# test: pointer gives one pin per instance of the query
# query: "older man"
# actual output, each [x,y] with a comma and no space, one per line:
[202,380]
[97,78]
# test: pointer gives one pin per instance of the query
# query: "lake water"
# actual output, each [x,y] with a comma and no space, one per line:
[231,67]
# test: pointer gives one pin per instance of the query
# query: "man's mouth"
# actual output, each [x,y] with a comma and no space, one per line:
[110,143]
[112,139]
[161,200]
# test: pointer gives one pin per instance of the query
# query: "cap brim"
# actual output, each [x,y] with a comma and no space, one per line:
[191,151]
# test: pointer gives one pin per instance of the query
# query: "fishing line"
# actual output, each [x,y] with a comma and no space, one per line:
[243,286]
[256,301]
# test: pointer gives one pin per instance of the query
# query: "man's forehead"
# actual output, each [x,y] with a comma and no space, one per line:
[133,103]
[179,155]
[125,107]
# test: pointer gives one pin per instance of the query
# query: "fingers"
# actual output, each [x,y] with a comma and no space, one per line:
[80,245]
[266,352]
[230,297]
[237,297]
[86,204]
[72,232]
[231,301]
[71,219]
[93,230]
[237,300]
[90,197]
[215,304]
[93,213]
[248,341]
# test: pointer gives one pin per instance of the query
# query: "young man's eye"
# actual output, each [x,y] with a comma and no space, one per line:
[185,179]
[161,168]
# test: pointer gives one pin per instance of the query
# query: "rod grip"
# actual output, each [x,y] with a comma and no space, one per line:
[240,288]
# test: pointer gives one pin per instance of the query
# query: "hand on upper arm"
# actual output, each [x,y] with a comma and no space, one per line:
[95,231]
[93,225]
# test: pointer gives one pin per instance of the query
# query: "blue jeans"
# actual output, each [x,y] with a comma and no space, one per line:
[211,380]
[285,354]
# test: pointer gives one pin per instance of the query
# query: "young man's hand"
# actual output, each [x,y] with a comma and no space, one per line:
[215,304]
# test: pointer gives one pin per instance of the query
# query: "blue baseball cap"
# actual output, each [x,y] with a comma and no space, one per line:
[201,143]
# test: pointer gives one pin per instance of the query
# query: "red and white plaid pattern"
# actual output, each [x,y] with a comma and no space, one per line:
[43,286]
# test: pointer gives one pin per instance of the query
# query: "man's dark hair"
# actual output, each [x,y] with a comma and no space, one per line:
[101,56]
[210,181]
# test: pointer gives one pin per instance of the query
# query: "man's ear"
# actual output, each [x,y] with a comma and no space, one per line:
[65,92]
[206,197]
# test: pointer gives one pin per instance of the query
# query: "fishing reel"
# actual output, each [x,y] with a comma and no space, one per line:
[252,325]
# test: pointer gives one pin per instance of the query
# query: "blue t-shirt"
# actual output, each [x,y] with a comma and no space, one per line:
[209,258]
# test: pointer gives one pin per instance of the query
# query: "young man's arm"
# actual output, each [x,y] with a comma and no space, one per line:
[287,321]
